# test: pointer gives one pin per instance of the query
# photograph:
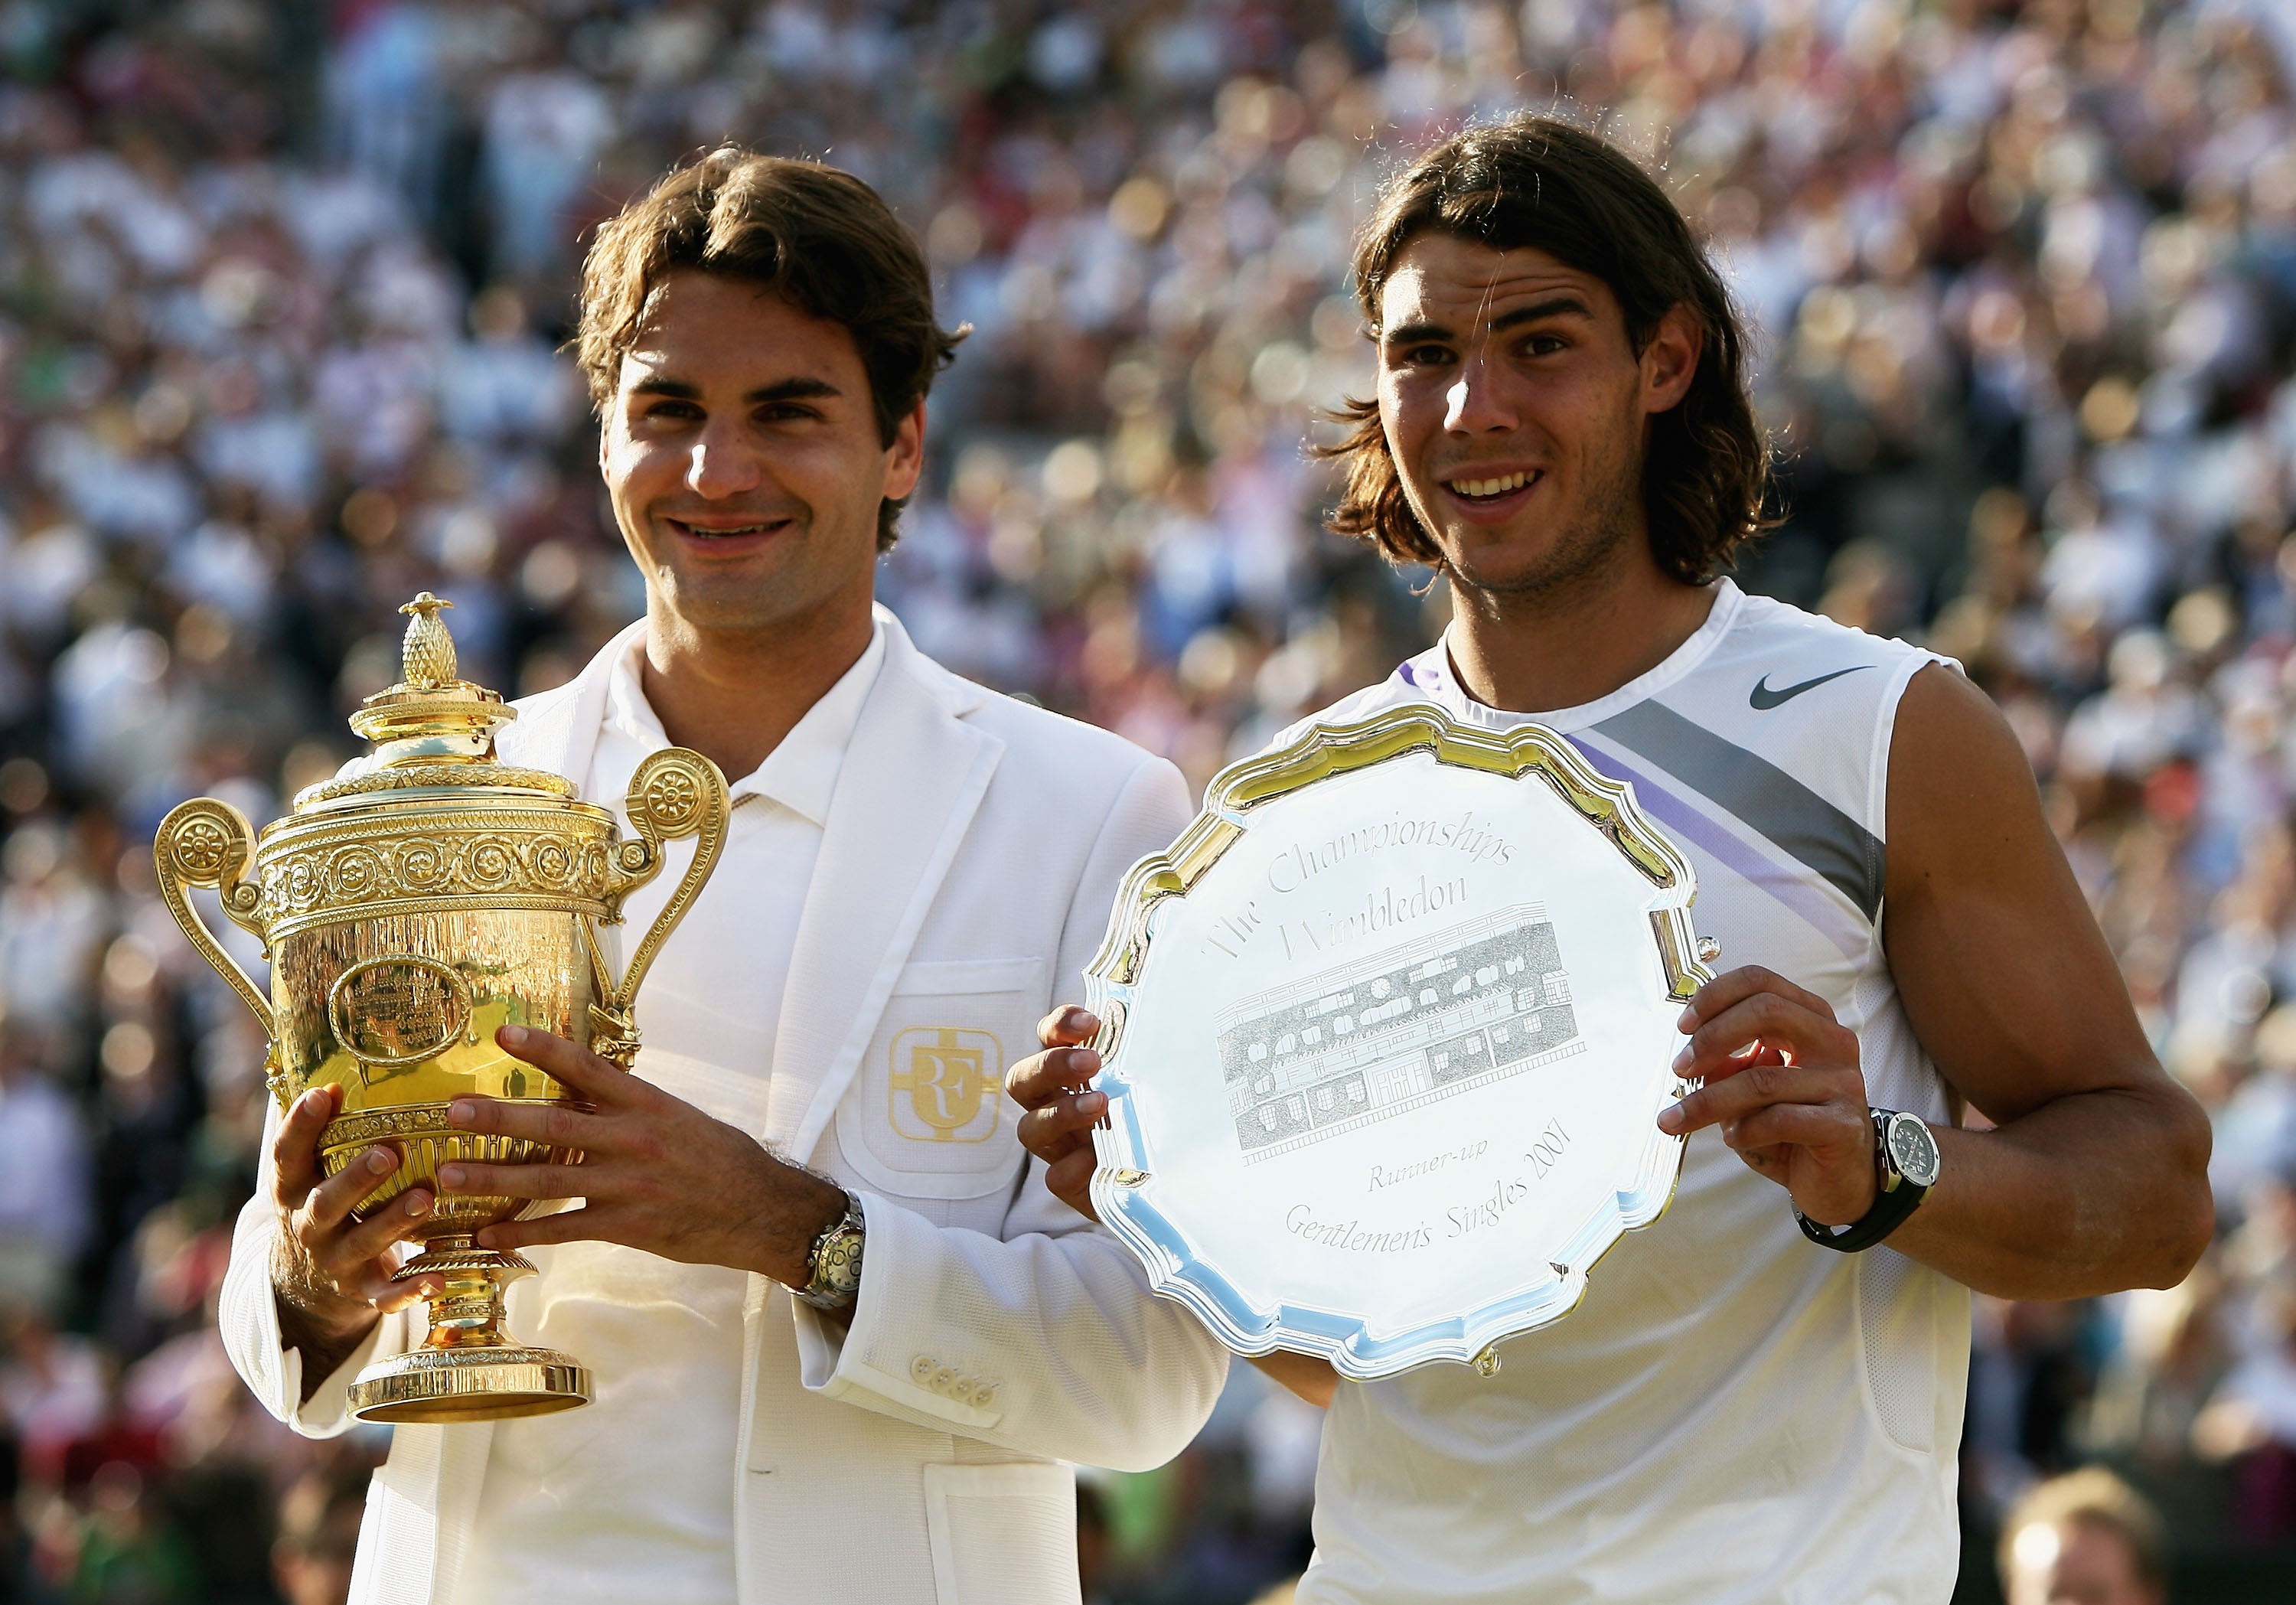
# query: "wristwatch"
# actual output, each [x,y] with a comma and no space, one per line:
[1906,1157]
[835,1261]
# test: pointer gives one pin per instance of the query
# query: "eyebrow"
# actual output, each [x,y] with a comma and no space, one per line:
[785,389]
[1554,306]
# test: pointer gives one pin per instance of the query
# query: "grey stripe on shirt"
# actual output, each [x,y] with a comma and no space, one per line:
[1797,820]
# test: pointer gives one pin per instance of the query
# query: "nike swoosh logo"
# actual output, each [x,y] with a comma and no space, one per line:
[1762,699]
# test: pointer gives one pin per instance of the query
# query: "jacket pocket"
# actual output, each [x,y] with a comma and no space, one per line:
[1002,1533]
[926,1116]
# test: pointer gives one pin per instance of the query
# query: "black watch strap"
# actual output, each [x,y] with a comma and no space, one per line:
[1888,1212]
[1899,1197]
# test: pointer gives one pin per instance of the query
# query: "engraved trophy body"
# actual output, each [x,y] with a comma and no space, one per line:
[410,906]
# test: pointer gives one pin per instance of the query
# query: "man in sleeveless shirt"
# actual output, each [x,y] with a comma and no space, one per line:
[1760,1398]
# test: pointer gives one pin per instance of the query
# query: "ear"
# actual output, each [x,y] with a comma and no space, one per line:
[904,458]
[1670,359]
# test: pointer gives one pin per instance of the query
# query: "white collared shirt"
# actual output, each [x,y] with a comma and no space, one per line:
[562,1517]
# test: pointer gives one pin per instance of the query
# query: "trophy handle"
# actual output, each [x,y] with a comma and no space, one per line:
[208,842]
[675,793]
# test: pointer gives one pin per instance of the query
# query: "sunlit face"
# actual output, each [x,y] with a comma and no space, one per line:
[741,455]
[2076,1563]
[1515,407]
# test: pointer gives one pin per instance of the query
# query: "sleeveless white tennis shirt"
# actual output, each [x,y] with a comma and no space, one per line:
[1734,1413]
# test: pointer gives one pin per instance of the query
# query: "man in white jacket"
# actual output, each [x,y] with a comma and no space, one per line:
[842,1345]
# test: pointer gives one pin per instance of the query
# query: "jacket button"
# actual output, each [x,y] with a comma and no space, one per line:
[984,1394]
[922,1369]
[944,1380]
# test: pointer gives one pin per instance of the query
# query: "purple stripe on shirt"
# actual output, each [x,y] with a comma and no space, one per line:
[1687,820]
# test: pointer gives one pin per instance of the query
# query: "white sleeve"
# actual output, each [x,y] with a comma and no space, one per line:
[248,1318]
[1046,1341]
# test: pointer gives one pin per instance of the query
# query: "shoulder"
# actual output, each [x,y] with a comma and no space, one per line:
[1414,680]
[1073,761]
[1036,736]
[1786,639]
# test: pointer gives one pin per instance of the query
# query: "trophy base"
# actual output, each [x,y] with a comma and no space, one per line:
[452,1385]
[467,1369]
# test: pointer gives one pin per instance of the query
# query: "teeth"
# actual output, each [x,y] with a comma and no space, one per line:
[1490,488]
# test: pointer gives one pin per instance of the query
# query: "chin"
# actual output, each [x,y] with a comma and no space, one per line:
[1506,563]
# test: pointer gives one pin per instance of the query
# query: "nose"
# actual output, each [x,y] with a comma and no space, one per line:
[718,466]
[1476,402]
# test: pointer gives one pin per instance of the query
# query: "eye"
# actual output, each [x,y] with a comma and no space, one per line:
[1545,344]
[1425,355]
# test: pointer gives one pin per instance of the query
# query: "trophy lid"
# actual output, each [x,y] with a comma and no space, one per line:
[432,729]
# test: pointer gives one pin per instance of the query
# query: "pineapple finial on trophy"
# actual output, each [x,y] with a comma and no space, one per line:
[426,657]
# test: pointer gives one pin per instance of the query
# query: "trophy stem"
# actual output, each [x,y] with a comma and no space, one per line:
[467,1368]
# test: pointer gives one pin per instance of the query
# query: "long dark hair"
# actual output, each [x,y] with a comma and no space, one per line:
[1541,182]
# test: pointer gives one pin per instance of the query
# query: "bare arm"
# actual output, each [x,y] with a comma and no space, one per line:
[2095,1177]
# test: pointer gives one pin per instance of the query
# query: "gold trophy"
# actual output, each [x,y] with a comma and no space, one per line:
[410,906]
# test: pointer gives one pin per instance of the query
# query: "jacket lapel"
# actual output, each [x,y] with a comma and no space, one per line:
[558,730]
[911,781]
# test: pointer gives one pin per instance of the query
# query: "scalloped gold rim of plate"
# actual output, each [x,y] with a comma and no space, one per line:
[430,1387]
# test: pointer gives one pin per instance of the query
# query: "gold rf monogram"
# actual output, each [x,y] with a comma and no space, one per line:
[950,1076]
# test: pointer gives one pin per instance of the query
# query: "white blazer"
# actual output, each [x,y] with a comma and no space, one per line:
[973,849]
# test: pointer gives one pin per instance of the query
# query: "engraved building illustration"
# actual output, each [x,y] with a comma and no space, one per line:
[1396,1031]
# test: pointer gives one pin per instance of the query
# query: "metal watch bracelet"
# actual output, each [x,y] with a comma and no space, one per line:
[835,1260]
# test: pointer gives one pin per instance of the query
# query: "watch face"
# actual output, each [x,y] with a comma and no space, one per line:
[1912,1151]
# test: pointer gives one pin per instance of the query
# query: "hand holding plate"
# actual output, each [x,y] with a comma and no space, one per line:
[1783,1084]
[1053,1087]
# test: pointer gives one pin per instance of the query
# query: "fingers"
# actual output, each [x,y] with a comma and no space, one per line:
[556,1125]
[1724,991]
[395,1295]
[1067,1026]
[1070,1182]
[566,1226]
[295,1149]
[375,1282]
[599,1080]
[518,1181]
[1771,1019]
[1739,1096]
[1041,1077]
[329,1204]
[1059,1128]
[1800,1125]
[395,1222]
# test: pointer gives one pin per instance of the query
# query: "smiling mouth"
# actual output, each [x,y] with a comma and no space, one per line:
[1494,489]
[724,532]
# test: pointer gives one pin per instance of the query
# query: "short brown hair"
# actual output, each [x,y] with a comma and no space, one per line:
[1541,182]
[2093,1496]
[819,237]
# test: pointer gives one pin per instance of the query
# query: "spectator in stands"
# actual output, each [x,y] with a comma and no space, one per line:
[2085,1538]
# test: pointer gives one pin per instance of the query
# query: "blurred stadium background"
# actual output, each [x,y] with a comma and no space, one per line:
[281,286]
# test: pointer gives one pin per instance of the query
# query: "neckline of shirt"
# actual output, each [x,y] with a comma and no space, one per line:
[801,772]
[1433,671]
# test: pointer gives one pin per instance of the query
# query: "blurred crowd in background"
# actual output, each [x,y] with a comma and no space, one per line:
[282,287]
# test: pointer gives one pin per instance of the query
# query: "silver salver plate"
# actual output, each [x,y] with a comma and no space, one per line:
[1386,1035]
